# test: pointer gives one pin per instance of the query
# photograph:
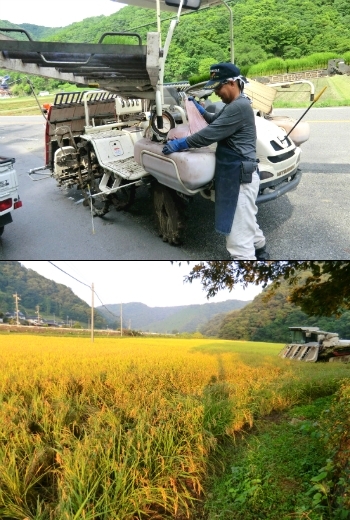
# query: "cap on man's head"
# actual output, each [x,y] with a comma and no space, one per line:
[221,72]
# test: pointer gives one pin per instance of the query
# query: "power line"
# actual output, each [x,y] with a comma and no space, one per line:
[166,19]
[76,279]
[72,268]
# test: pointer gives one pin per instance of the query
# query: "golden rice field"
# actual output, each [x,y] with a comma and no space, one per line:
[124,429]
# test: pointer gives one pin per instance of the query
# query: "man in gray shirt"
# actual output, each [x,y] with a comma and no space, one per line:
[236,173]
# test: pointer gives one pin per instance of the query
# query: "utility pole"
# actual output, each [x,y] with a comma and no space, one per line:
[92,312]
[121,319]
[17,299]
[37,312]
[232,53]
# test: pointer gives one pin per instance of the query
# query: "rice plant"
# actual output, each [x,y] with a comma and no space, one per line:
[125,429]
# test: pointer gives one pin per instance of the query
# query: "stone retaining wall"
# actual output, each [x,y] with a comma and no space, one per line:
[292,76]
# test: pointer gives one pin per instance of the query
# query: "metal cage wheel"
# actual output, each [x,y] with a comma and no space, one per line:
[121,199]
[169,211]
[125,197]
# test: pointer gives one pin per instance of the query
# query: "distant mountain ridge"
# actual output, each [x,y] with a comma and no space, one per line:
[182,318]
[36,32]
[58,302]
[39,32]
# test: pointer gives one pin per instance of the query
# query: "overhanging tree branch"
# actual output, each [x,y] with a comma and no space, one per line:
[325,291]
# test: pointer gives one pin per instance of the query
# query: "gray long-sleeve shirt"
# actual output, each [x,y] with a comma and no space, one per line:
[234,125]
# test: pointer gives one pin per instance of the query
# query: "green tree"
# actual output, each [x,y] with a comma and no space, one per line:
[35,290]
[77,325]
[285,29]
[248,53]
[269,319]
[204,65]
[325,292]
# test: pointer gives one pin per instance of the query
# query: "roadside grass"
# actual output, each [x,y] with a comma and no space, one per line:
[69,332]
[297,96]
[268,474]
[23,106]
[292,465]
[131,428]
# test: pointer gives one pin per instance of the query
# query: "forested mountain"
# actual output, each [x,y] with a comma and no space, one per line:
[181,318]
[53,298]
[258,320]
[39,32]
[36,32]
[269,320]
[262,29]
[57,300]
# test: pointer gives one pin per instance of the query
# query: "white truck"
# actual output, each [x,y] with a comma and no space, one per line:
[9,197]
[106,142]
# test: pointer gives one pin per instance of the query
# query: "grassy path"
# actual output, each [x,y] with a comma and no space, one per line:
[269,472]
[293,464]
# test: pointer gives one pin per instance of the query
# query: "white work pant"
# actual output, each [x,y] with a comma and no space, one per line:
[245,235]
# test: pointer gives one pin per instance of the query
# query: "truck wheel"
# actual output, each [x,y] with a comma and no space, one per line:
[1,230]
[169,213]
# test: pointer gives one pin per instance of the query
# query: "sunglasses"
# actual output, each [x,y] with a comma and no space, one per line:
[221,85]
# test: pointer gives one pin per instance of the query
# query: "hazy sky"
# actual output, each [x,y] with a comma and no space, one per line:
[52,13]
[156,284]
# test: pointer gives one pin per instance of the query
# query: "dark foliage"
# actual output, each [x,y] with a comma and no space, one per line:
[262,30]
[53,298]
[268,317]
[324,292]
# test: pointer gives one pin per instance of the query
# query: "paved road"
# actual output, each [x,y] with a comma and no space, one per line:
[51,226]
[312,222]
